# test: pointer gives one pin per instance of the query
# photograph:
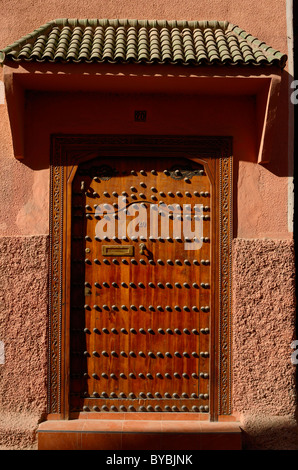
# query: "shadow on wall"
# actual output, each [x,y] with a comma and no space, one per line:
[280,145]
[270,433]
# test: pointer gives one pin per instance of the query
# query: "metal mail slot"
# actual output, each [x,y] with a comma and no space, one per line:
[113,250]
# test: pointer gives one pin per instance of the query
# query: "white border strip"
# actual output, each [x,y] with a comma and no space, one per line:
[290,39]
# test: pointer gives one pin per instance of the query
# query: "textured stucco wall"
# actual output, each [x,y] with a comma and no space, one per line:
[23,329]
[264,390]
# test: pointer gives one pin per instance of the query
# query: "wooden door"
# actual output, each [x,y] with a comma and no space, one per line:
[141,306]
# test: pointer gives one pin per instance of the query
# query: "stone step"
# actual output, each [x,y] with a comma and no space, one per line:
[138,434]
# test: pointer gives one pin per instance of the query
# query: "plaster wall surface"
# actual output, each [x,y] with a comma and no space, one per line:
[264,393]
[264,384]
[265,20]
[23,330]
[260,207]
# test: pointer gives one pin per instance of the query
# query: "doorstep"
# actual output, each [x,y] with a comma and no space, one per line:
[132,434]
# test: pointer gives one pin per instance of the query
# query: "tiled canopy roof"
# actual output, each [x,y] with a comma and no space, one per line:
[142,41]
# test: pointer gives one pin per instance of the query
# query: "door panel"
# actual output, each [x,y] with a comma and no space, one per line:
[140,322]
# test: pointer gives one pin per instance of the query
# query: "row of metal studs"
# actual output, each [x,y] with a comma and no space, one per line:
[136,206]
[142,238]
[166,172]
[148,408]
[126,211]
[204,285]
[170,207]
[168,308]
[153,189]
[143,395]
[149,395]
[161,331]
[155,207]
[95,194]
[134,189]
[152,262]
[132,375]
[142,354]
[160,239]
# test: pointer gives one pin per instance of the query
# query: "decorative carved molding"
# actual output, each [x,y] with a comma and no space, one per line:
[56,275]
[225,210]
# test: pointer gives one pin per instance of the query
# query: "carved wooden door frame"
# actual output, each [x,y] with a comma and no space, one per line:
[67,151]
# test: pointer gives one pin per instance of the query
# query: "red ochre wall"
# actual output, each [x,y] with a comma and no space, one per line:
[264,392]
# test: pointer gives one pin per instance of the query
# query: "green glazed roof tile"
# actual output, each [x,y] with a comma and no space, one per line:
[142,41]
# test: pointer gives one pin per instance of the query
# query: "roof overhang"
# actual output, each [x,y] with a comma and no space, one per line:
[258,78]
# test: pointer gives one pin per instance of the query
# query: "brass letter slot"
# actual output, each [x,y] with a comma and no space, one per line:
[113,250]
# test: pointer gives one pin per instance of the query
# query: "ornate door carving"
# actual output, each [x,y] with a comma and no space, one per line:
[146,320]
